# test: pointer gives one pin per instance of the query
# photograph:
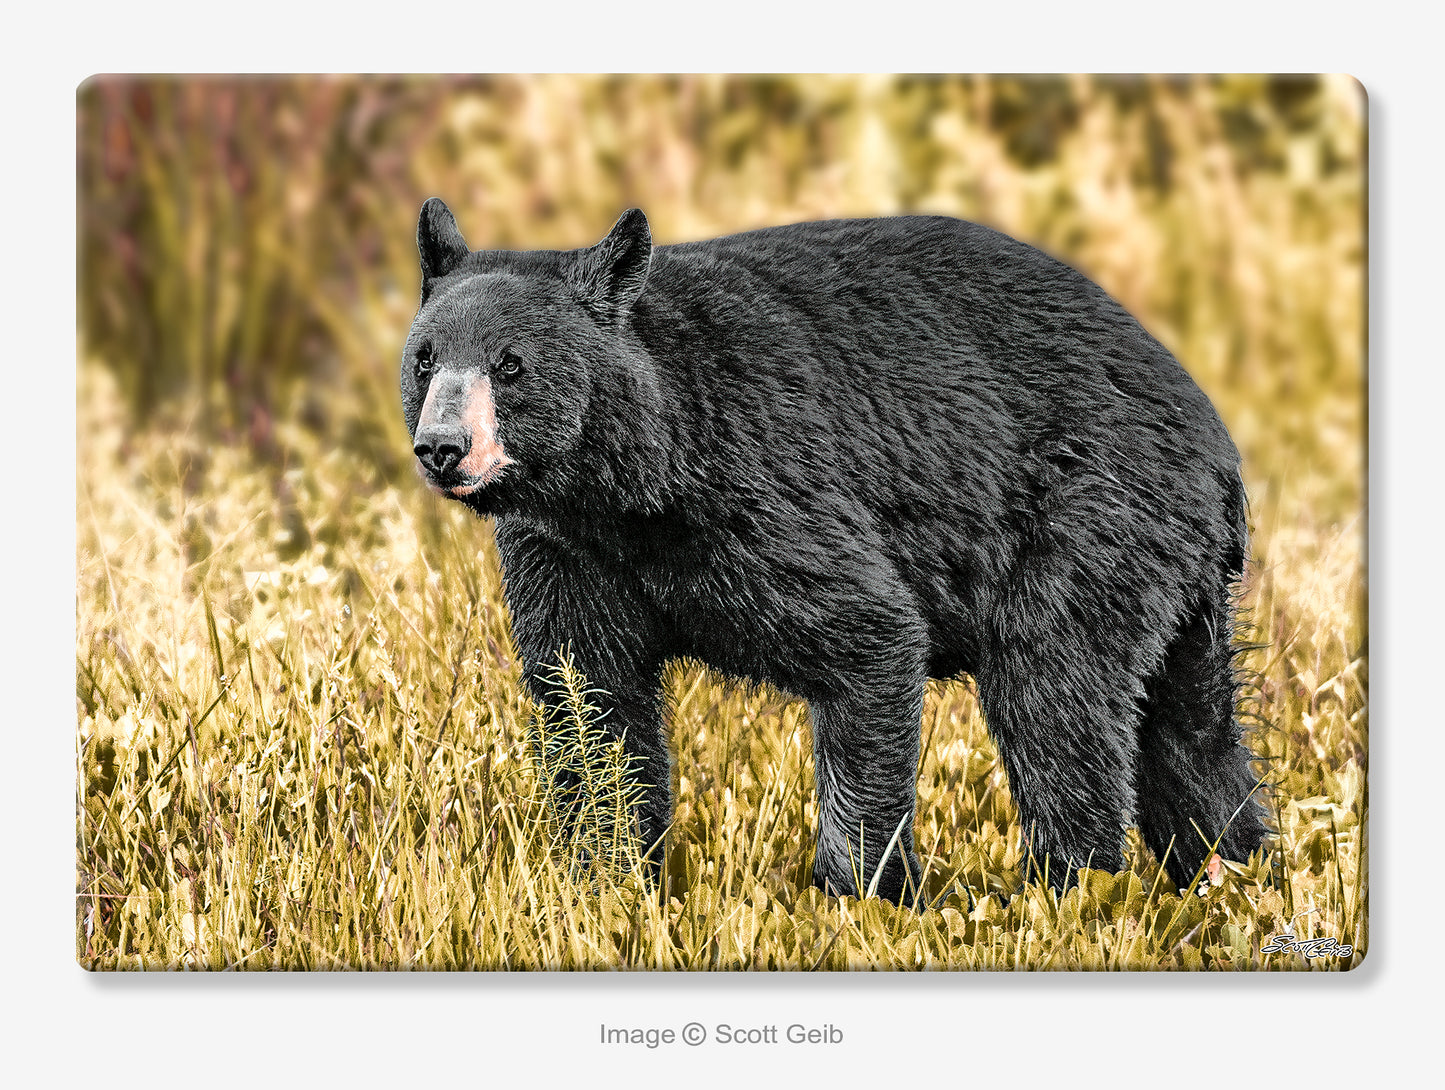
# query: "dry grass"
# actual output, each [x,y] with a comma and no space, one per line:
[303,742]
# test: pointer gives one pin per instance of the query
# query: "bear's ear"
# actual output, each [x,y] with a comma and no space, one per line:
[609,276]
[438,241]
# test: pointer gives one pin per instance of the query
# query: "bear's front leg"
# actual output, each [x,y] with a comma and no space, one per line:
[561,601]
[865,757]
[629,710]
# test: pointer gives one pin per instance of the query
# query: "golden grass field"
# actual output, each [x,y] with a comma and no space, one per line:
[302,738]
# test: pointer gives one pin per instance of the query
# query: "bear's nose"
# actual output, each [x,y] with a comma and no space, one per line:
[439,448]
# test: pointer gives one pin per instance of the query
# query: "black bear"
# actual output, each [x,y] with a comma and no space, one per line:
[842,458]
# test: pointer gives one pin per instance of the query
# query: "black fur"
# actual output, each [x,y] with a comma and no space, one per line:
[845,457]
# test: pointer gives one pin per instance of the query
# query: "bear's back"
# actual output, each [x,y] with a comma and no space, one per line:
[920,259]
[918,328]
[901,244]
[947,396]
[908,298]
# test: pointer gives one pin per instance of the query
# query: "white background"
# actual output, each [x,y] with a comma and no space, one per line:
[64,1026]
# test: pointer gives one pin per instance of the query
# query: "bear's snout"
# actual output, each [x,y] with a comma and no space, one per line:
[440,448]
[456,442]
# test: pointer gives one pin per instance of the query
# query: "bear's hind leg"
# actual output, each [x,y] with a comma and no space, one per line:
[1064,726]
[1193,779]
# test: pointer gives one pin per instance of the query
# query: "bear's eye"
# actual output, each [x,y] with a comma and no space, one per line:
[423,361]
[510,365]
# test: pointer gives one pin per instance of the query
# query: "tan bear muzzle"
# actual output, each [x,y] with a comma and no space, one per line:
[456,442]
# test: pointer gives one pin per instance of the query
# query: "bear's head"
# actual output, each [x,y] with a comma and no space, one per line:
[518,362]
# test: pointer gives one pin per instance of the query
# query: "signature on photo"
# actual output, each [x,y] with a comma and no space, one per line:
[1310,948]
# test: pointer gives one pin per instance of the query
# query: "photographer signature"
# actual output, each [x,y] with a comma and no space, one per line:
[1310,948]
